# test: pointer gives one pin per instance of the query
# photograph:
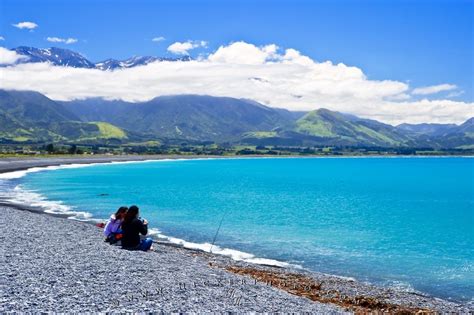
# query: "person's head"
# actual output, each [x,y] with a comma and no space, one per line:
[132,213]
[120,214]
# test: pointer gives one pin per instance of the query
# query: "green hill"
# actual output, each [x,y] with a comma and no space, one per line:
[461,136]
[349,130]
[33,108]
[32,117]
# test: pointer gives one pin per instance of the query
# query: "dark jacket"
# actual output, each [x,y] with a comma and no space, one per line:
[131,233]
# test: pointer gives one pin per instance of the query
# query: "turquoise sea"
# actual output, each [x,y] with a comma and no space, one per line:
[401,222]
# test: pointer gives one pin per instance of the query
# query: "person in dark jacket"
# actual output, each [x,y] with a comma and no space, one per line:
[132,227]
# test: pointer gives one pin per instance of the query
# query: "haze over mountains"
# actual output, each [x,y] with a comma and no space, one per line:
[30,117]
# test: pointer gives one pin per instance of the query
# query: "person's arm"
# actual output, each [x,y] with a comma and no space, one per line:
[143,228]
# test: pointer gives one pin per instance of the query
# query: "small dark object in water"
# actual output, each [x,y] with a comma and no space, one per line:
[103,194]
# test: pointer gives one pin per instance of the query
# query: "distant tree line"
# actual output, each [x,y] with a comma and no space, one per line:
[210,148]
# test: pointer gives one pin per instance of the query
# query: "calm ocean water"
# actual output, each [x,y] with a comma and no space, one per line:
[402,222]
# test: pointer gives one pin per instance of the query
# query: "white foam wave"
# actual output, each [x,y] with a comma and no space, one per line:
[20,196]
[214,249]
[19,174]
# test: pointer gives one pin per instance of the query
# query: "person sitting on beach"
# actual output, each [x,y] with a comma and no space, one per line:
[112,230]
[132,227]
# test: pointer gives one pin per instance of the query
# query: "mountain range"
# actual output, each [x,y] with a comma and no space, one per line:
[69,58]
[30,117]
[197,118]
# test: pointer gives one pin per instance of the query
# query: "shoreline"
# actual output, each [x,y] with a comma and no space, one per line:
[14,164]
[383,298]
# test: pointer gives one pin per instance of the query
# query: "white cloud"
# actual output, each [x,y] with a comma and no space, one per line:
[284,79]
[433,89]
[455,94]
[158,39]
[62,40]
[243,53]
[2,38]
[8,57]
[26,25]
[183,48]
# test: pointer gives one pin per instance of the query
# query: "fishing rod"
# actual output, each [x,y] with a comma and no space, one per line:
[218,229]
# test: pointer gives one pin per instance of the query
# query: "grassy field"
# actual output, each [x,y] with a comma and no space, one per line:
[108,131]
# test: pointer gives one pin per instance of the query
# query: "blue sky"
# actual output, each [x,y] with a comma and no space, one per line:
[425,42]
[421,43]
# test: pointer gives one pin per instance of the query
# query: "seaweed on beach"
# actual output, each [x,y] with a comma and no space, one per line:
[301,285]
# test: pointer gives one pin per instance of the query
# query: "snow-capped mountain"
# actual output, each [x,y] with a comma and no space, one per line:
[69,58]
[112,64]
[57,56]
